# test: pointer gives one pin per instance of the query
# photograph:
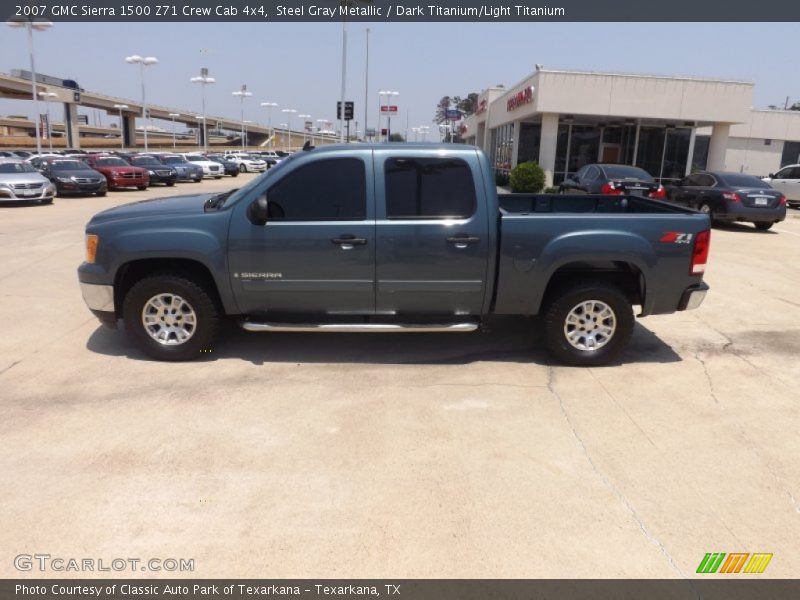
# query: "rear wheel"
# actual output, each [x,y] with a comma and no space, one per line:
[170,317]
[763,226]
[588,324]
[706,209]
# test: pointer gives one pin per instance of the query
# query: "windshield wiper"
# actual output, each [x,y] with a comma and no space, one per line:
[216,202]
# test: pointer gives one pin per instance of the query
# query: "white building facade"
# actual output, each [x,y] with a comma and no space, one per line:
[669,126]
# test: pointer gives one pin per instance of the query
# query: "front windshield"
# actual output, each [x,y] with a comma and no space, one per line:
[68,165]
[174,160]
[243,191]
[196,158]
[145,162]
[16,168]
[111,162]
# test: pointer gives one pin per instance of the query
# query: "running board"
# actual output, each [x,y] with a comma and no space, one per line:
[360,327]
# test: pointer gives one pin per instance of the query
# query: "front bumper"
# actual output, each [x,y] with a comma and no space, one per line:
[7,195]
[693,296]
[81,188]
[100,300]
[128,181]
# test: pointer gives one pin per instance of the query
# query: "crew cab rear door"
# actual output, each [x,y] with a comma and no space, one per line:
[432,233]
[316,253]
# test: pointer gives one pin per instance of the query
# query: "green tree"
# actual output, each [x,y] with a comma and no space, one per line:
[527,178]
[396,137]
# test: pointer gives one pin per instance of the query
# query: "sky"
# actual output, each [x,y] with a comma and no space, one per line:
[299,65]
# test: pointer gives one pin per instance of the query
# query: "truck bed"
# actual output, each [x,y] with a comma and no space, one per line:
[582,203]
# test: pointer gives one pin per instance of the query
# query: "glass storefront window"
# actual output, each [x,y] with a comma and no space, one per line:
[584,146]
[700,157]
[791,153]
[530,137]
[502,146]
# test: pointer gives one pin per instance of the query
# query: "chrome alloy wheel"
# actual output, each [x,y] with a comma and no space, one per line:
[169,319]
[590,325]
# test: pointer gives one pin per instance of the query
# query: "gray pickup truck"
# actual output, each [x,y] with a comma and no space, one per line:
[390,238]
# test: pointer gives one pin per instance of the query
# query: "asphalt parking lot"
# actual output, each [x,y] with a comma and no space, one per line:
[431,455]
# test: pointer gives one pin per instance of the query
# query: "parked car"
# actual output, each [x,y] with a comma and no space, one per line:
[157,170]
[19,180]
[118,173]
[425,246]
[72,176]
[270,157]
[614,180]
[247,163]
[228,166]
[210,168]
[787,182]
[185,170]
[729,197]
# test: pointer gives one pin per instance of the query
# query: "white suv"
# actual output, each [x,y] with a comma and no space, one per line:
[787,182]
[247,162]
[210,168]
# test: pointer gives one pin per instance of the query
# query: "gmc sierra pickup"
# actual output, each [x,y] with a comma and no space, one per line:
[390,238]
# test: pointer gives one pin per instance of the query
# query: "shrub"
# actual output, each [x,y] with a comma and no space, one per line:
[527,178]
[500,178]
[551,190]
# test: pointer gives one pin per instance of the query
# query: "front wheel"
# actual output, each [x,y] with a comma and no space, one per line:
[588,324]
[242,168]
[141,188]
[170,317]
[763,226]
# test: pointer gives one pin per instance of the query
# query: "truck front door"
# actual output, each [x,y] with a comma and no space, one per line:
[316,253]
[432,235]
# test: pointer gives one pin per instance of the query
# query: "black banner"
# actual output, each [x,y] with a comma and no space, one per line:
[711,588]
[398,11]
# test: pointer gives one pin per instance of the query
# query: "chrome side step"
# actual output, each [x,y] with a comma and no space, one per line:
[360,327]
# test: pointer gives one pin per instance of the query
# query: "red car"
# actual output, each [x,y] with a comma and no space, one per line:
[118,173]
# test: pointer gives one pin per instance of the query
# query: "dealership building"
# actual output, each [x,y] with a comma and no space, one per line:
[669,126]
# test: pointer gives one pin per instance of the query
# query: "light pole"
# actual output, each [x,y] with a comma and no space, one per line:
[243,93]
[142,62]
[201,127]
[366,89]
[269,106]
[47,96]
[289,112]
[30,25]
[304,127]
[203,79]
[173,115]
[120,108]
[244,125]
[389,94]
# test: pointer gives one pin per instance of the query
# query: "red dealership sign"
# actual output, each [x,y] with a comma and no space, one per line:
[389,109]
[522,97]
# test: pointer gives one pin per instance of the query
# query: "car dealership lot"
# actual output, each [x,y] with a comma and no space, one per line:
[437,455]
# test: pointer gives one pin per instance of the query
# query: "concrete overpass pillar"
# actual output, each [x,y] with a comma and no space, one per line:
[718,146]
[129,131]
[547,146]
[71,125]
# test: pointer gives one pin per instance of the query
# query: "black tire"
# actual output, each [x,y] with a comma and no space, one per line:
[706,209]
[562,302]
[763,226]
[195,295]
[242,168]
[217,176]
[100,193]
[234,174]
[141,188]
[170,183]
[46,201]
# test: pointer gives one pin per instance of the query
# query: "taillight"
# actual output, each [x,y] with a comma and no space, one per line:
[610,189]
[732,196]
[702,243]
[659,193]
[782,201]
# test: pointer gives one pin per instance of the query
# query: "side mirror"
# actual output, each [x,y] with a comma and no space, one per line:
[771,176]
[258,211]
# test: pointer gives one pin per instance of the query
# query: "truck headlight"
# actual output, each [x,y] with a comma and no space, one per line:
[91,247]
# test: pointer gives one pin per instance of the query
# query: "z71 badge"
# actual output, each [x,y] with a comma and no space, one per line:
[675,237]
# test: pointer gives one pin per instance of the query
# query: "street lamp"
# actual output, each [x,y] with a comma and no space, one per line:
[244,125]
[173,115]
[289,112]
[203,79]
[269,106]
[30,25]
[120,108]
[243,93]
[304,127]
[202,130]
[389,94]
[47,96]
[142,62]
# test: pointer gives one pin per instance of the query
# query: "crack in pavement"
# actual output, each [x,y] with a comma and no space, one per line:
[622,408]
[606,481]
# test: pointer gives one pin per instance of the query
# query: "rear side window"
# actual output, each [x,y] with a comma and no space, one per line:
[425,188]
[324,190]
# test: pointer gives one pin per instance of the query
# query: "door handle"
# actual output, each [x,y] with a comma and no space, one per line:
[347,241]
[462,241]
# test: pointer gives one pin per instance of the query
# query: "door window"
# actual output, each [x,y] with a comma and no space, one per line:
[429,188]
[324,190]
